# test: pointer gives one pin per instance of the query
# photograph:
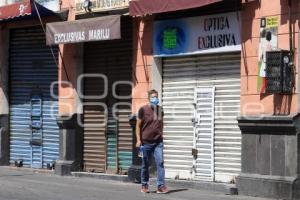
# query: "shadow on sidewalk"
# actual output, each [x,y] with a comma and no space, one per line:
[177,190]
[172,191]
[15,175]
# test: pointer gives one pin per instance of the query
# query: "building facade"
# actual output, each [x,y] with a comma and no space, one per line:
[230,115]
[30,134]
[98,99]
[261,156]
[269,112]
[196,69]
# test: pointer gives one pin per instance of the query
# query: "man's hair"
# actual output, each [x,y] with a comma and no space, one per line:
[150,92]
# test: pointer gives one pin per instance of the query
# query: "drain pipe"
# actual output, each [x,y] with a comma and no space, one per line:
[290,29]
[291,64]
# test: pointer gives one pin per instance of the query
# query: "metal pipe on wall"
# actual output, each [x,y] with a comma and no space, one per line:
[290,28]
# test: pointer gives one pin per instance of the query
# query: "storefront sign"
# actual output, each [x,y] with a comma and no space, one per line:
[15,10]
[86,30]
[205,34]
[101,5]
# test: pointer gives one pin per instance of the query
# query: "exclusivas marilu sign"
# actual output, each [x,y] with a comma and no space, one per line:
[204,34]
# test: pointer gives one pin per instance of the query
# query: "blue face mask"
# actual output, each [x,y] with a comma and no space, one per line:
[154,101]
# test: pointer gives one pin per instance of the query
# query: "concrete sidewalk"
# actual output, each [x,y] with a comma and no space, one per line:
[26,184]
[224,188]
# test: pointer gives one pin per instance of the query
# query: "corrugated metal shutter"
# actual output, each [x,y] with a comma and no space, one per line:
[36,131]
[113,59]
[179,83]
[111,134]
[181,75]
[204,133]
[226,70]
[32,70]
[95,117]
[94,152]
[124,140]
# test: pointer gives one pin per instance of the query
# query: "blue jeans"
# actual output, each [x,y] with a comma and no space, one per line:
[157,150]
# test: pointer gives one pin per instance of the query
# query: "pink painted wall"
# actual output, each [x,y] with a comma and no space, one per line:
[67,92]
[142,61]
[252,102]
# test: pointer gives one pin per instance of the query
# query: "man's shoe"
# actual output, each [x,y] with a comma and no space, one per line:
[162,190]
[145,189]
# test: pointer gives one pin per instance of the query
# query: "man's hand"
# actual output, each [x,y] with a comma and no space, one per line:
[138,144]
[138,133]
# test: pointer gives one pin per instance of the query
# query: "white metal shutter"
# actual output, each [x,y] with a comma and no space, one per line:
[225,76]
[204,133]
[181,75]
[179,82]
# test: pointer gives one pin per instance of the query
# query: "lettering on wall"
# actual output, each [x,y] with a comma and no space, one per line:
[99,5]
[211,25]
[84,30]
[91,35]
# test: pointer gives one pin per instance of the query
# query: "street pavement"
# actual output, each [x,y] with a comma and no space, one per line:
[26,184]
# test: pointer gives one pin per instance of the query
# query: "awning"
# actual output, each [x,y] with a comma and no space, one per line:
[84,30]
[144,7]
[25,9]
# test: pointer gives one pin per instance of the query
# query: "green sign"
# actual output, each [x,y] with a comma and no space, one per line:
[170,38]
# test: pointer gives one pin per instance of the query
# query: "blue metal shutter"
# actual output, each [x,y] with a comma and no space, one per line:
[32,70]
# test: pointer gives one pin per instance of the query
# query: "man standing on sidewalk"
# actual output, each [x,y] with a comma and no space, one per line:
[149,134]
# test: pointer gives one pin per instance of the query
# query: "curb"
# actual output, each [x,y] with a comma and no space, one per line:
[112,177]
[228,189]
[31,170]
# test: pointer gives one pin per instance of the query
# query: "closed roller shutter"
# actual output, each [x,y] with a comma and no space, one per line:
[94,153]
[181,75]
[204,133]
[179,83]
[112,152]
[34,134]
[124,140]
